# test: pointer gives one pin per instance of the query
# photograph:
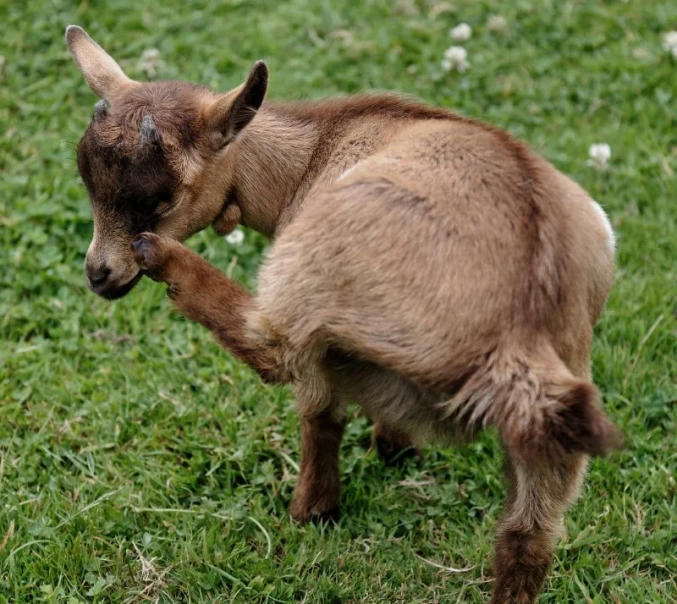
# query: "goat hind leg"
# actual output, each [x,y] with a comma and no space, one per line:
[538,496]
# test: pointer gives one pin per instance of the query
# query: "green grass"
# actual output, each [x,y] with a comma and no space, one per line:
[138,460]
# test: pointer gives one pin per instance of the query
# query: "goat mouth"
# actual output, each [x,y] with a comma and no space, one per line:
[114,291]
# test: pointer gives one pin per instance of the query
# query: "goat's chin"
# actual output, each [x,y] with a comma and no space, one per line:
[113,291]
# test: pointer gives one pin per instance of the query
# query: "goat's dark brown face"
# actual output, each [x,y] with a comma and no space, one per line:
[133,159]
[144,157]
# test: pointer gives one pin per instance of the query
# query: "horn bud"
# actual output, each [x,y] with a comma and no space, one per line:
[100,110]
[149,133]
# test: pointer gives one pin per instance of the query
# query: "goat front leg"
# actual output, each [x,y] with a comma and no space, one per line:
[204,294]
[318,485]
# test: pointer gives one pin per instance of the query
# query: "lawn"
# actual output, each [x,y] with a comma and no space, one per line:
[139,461]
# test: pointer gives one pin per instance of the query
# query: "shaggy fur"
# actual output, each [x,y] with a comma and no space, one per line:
[426,266]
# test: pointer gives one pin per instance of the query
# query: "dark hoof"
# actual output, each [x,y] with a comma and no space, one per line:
[315,516]
[395,452]
[144,248]
[151,252]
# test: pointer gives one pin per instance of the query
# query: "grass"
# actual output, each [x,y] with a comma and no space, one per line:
[139,461]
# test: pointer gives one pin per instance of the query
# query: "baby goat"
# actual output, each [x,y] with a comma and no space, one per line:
[424,265]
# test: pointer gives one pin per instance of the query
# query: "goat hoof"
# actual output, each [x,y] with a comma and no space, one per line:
[391,453]
[393,446]
[314,515]
[142,248]
[149,254]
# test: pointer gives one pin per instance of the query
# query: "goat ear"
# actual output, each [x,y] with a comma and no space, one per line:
[103,75]
[234,110]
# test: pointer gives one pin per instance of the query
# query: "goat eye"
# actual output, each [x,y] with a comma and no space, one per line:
[158,202]
[163,206]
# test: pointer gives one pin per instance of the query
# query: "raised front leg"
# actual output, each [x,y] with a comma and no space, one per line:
[204,294]
[539,494]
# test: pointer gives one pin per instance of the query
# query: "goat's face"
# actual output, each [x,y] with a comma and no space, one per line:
[144,158]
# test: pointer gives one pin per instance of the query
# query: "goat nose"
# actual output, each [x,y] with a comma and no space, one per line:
[97,275]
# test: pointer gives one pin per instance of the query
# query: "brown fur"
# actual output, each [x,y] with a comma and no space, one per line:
[318,485]
[426,266]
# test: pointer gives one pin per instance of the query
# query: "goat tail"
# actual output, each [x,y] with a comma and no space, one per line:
[537,405]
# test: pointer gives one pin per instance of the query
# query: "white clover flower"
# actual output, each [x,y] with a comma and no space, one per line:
[461,33]
[236,237]
[641,54]
[455,57]
[150,61]
[600,154]
[670,42]
[497,23]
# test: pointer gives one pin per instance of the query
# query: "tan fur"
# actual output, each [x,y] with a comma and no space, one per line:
[426,266]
